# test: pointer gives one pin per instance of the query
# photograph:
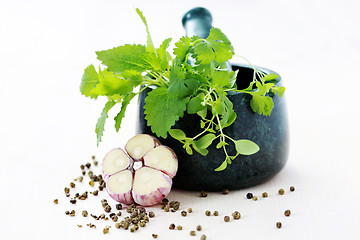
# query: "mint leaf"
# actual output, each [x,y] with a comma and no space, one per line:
[177,134]
[100,124]
[89,80]
[246,147]
[151,61]
[133,76]
[196,104]
[162,110]
[109,84]
[125,102]
[182,48]
[149,43]
[163,55]
[216,47]
[205,141]
[127,57]
[221,167]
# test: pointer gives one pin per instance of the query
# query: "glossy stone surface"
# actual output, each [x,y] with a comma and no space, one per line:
[196,172]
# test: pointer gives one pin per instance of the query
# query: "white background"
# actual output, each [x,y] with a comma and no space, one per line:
[47,127]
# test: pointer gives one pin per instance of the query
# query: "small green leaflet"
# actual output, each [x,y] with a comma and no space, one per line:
[196,104]
[246,147]
[177,134]
[162,110]
[99,129]
[120,59]
[149,43]
[180,86]
[118,118]
[216,47]
[163,55]
[182,48]
[271,76]
[205,141]
[221,167]
[278,90]
[89,80]
[261,104]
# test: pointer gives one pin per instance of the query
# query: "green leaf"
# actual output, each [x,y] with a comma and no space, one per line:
[222,166]
[278,90]
[203,152]
[89,80]
[189,150]
[221,78]
[125,102]
[246,147]
[202,124]
[219,106]
[177,134]
[162,110]
[127,57]
[221,144]
[263,105]
[133,76]
[216,47]
[202,113]
[196,104]
[149,43]
[110,84]
[99,129]
[182,48]
[152,62]
[205,141]
[180,86]
[163,55]
[271,76]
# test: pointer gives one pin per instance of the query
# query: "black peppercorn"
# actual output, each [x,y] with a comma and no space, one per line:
[172,226]
[278,224]
[203,194]
[292,188]
[249,196]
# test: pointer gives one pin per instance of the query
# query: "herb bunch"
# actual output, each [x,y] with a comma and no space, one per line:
[196,80]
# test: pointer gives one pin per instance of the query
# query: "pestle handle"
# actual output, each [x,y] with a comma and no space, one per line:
[197,22]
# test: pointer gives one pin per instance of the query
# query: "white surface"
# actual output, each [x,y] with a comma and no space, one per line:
[47,127]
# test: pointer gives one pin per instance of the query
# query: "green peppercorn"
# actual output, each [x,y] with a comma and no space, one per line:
[203,194]
[255,198]
[56,201]
[154,235]
[249,196]
[189,210]
[119,214]
[264,194]
[278,224]
[281,191]
[216,213]
[203,237]
[172,226]
[207,213]
[198,228]
[183,213]
[166,209]
[236,215]
[192,233]
[151,214]
[107,208]
[95,163]
[287,213]
[165,201]
[84,213]
[226,218]
[81,178]
[72,213]
[142,224]
[72,185]
[82,166]
[179,227]
[292,188]
[225,191]
[118,225]
[91,183]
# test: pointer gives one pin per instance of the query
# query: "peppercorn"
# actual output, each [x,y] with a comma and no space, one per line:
[73,201]
[126,225]
[198,227]
[83,172]
[118,206]
[154,235]
[67,195]
[203,194]
[119,214]
[216,213]
[72,213]
[118,225]
[166,209]
[151,214]
[82,166]
[226,218]
[88,165]
[255,198]
[102,216]
[80,226]
[165,201]
[203,237]
[67,212]
[91,183]
[225,191]
[106,229]
[111,215]
[278,224]
[142,210]
[207,213]
[56,201]
[183,213]
[287,213]
[107,208]
[192,233]
[84,213]
[249,196]
[179,227]
[81,178]
[114,218]
[236,215]
[172,226]
[142,223]
[66,190]
[292,188]
[101,188]
[77,195]
[264,195]
[96,192]
[72,185]
[189,210]
[281,191]
[95,163]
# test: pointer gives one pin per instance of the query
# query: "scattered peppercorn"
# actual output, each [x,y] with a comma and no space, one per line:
[107,208]
[207,213]
[225,191]
[281,191]
[114,218]
[249,196]
[88,165]
[183,213]
[165,201]
[166,209]
[292,188]
[203,194]
[118,206]
[80,226]
[142,224]
[287,213]
[67,195]
[56,201]
[278,224]
[226,218]
[151,214]
[106,229]
[84,213]
[264,194]
[255,198]
[192,233]
[154,235]
[93,157]
[189,210]
[77,194]
[101,188]
[95,163]
[66,190]
[91,225]
[198,227]
[82,166]
[73,201]
[67,212]
[83,172]
[72,185]
[236,215]
[119,214]
[96,192]
[91,183]
[72,213]
[203,237]
[81,178]
[179,227]
[216,213]
[172,226]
